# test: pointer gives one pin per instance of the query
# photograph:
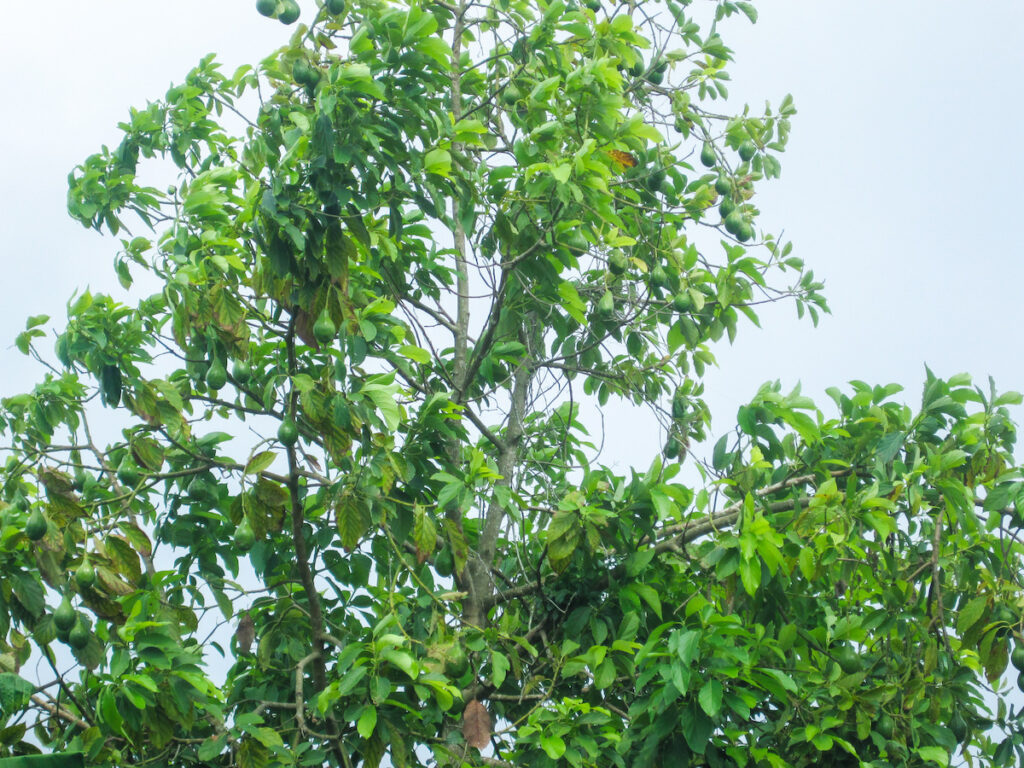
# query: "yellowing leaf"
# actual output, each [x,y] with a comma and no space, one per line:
[353,519]
[424,533]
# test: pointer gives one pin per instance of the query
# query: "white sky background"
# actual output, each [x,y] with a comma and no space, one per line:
[900,187]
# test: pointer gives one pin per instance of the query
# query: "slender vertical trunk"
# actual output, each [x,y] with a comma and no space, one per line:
[461,259]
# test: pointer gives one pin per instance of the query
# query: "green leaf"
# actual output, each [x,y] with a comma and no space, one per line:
[15,694]
[971,613]
[687,644]
[260,462]
[561,172]
[400,659]
[107,710]
[351,679]
[499,668]
[367,721]
[414,353]
[384,397]
[750,575]
[720,457]
[710,697]
[649,596]
[438,161]
[437,49]
[749,10]
[212,747]
[572,303]
[553,746]
[934,755]
[696,728]
[806,562]
[604,675]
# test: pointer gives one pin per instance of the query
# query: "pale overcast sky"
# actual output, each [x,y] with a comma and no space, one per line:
[900,187]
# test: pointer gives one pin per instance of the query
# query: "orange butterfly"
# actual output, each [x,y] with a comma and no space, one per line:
[623,158]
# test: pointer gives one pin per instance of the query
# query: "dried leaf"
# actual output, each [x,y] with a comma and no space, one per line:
[304,327]
[245,634]
[476,725]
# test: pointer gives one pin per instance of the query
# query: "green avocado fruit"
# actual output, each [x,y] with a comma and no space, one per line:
[682,302]
[733,221]
[335,7]
[673,448]
[745,231]
[127,472]
[848,659]
[1017,657]
[657,75]
[747,150]
[679,404]
[216,375]
[85,575]
[885,726]
[659,277]
[617,263]
[241,371]
[456,662]
[707,155]
[35,526]
[245,536]
[577,241]
[78,638]
[290,12]
[324,329]
[304,73]
[266,7]
[65,616]
[288,433]
[655,180]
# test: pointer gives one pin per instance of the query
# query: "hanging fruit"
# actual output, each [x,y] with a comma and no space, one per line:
[35,527]
[85,575]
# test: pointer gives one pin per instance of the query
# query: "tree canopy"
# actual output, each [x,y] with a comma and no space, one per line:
[329,494]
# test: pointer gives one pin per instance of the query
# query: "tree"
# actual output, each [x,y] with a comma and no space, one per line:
[396,260]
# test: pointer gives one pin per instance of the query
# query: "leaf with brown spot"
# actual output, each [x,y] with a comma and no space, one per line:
[123,558]
[424,533]
[476,725]
[457,539]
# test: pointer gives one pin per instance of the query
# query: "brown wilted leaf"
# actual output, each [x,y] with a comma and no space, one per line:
[245,634]
[304,327]
[476,725]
